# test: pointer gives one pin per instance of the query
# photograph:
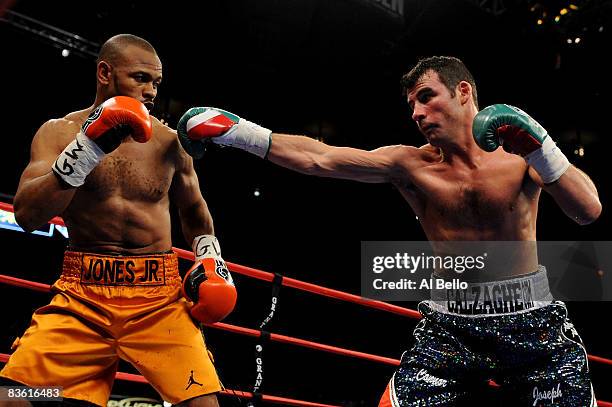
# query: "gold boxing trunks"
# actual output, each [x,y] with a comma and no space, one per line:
[110,307]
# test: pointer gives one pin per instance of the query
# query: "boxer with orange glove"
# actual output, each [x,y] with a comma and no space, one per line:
[119,292]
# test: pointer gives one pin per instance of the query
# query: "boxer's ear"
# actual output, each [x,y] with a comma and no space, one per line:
[104,72]
[464,90]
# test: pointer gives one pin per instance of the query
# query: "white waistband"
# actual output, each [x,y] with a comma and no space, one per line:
[510,296]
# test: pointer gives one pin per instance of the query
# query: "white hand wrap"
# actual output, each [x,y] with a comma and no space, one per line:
[247,136]
[77,160]
[206,246]
[549,161]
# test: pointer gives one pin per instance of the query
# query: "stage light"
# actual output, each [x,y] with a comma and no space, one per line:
[579,151]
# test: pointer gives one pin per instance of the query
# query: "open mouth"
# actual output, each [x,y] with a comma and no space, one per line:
[149,105]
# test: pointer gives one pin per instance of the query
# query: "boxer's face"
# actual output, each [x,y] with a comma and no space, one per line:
[138,74]
[434,110]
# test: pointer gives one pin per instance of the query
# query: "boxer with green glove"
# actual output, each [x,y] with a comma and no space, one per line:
[461,188]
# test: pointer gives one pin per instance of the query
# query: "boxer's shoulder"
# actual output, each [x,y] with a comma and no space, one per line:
[399,152]
[415,157]
[164,133]
[429,149]
[168,141]
[61,130]
[75,119]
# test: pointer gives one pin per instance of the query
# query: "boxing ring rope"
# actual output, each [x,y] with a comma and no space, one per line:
[309,287]
[277,337]
[599,359]
[242,394]
[297,284]
[18,282]
[287,281]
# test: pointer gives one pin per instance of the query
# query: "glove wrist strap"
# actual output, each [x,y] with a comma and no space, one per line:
[206,246]
[251,137]
[77,160]
[549,161]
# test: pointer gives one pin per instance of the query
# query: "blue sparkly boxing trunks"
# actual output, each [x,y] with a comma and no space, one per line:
[509,331]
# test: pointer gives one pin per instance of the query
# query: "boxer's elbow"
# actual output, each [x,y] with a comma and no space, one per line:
[589,214]
[25,221]
[26,217]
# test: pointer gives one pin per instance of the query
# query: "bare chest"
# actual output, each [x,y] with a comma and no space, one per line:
[468,198]
[134,171]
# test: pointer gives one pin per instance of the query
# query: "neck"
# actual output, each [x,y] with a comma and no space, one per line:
[99,100]
[466,152]
[102,95]
[462,146]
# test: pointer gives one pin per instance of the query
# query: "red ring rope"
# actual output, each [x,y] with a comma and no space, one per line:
[243,394]
[239,329]
[312,288]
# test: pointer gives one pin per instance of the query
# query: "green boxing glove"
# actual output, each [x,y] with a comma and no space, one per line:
[520,134]
[208,124]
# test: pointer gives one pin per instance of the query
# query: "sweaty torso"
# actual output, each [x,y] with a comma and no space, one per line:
[497,201]
[123,207]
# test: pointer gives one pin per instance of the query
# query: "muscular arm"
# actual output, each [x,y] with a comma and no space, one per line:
[575,193]
[41,195]
[185,193]
[312,157]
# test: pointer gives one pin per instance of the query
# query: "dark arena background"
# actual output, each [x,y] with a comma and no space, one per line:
[329,69]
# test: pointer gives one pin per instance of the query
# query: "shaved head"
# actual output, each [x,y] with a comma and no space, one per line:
[128,66]
[113,49]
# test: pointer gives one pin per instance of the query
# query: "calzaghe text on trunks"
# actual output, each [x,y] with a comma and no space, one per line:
[491,298]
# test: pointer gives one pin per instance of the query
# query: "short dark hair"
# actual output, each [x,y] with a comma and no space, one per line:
[112,49]
[450,70]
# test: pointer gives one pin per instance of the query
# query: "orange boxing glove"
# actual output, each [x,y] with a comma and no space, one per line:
[208,283]
[103,131]
[116,118]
